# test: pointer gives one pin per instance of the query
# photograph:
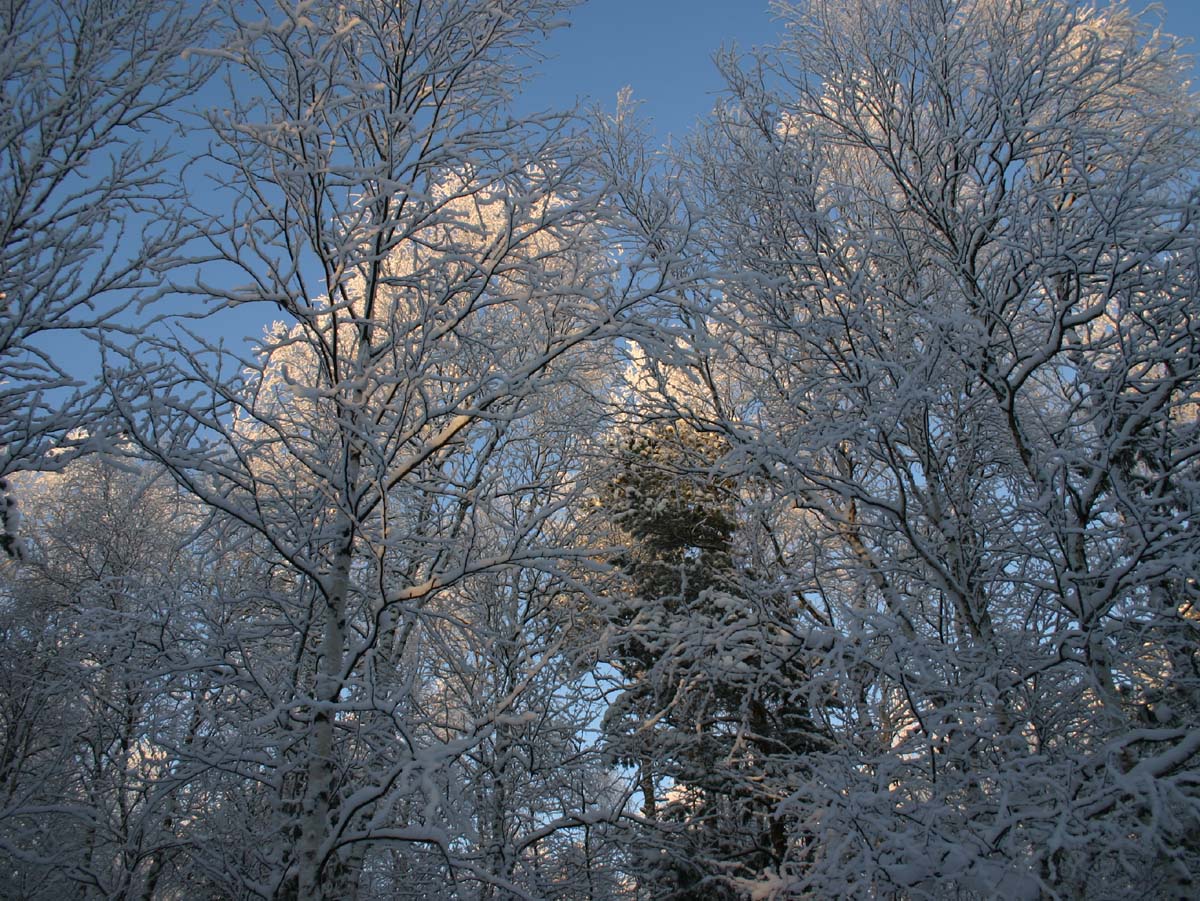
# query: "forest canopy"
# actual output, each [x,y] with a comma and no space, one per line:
[801,509]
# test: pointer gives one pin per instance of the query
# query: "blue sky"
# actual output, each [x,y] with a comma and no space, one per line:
[664,49]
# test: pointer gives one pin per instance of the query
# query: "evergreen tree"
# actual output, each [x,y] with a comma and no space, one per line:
[712,710]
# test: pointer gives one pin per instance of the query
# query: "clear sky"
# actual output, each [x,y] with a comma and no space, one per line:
[663,49]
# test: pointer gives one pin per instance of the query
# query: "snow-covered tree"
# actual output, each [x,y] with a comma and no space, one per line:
[953,322]
[403,447]
[710,710]
[886,586]
[89,214]
[100,624]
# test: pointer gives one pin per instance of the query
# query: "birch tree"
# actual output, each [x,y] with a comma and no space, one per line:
[954,322]
[410,425]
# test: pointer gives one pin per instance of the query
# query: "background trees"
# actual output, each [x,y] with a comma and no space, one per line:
[100,622]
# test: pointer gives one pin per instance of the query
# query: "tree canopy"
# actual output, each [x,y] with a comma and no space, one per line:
[805,509]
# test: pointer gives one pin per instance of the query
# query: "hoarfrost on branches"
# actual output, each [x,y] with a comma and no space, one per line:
[89,203]
[808,509]
[951,316]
